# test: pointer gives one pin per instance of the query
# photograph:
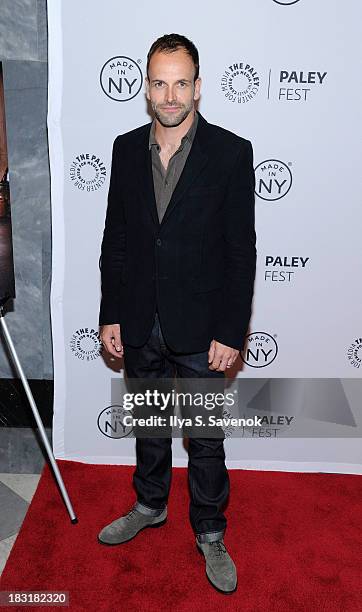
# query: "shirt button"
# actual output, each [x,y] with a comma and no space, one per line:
[158,241]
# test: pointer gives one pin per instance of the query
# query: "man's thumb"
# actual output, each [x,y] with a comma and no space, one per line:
[117,341]
[212,351]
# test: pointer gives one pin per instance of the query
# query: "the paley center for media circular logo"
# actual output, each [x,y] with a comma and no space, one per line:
[85,344]
[260,350]
[285,2]
[121,78]
[354,353]
[87,172]
[273,179]
[111,422]
[240,82]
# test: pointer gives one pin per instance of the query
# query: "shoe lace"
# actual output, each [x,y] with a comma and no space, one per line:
[218,548]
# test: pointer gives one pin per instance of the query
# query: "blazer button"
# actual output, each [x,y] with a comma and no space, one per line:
[158,241]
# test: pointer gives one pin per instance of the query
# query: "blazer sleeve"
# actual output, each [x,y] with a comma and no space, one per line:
[240,248]
[113,246]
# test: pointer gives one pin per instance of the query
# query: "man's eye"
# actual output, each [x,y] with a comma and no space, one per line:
[158,84]
[182,84]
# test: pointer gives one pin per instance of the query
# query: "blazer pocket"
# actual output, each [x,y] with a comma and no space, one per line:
[205,191]
[206,285]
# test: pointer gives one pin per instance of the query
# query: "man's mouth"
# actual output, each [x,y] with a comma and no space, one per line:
[171,109]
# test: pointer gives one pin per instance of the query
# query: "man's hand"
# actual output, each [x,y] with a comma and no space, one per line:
[111,339]
[221,356]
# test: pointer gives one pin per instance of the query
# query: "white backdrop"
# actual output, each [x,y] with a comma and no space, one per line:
[286,77]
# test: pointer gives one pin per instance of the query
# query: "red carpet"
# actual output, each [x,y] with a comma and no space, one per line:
[295,538]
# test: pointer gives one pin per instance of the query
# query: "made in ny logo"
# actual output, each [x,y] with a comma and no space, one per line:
[111,422]
[88,172]
[273,179]
[240,83]
[260,350]
[121,78]
[85,344]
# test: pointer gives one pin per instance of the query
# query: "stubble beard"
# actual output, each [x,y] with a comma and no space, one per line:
[172,119]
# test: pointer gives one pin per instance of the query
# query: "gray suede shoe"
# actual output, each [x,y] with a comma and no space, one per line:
[126,527]
[220,568]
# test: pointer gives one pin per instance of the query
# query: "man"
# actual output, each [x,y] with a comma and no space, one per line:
[177,269]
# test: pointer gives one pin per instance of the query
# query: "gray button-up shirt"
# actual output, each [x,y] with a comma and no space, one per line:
[165,181]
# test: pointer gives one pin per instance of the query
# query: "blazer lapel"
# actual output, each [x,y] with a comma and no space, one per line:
[195,162]
[144,177]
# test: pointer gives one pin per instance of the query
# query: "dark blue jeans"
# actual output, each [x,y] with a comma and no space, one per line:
[207,473]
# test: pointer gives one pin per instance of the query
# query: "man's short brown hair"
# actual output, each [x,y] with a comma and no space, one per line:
[172,42]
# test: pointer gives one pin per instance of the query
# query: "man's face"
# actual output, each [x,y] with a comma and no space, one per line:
[170,86]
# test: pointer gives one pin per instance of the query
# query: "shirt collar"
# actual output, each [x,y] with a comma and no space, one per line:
[188,136]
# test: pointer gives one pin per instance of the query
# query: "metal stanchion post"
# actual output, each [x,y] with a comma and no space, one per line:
[38,420]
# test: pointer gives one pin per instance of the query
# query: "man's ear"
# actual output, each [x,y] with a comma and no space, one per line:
[147,84]
[197,88]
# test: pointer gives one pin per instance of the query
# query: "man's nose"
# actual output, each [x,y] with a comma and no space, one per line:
[170,95]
